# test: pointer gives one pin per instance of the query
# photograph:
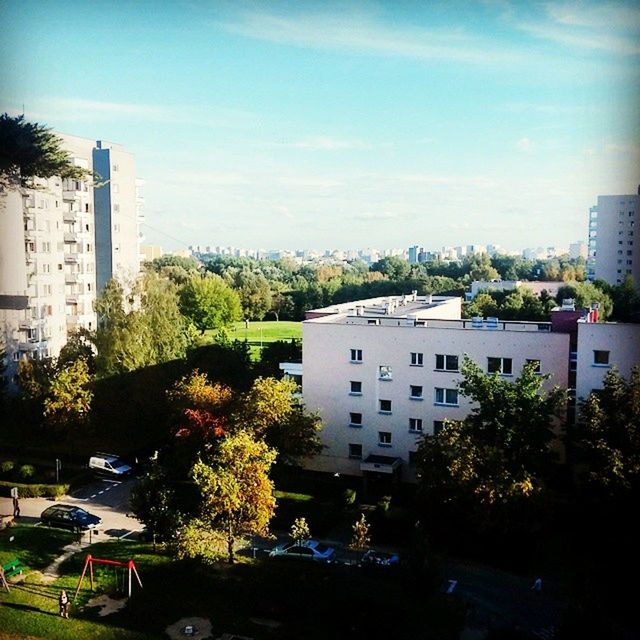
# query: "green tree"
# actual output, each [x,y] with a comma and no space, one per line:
[300,532]
[153,502]
[144,329]
[480,268]
[254,291]
[68,400]
[29,150]
[501,452]
[610,435]
[209,303]
[584,294]
[237,493]
[393,267]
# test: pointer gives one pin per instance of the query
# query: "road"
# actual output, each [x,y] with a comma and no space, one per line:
[108,499]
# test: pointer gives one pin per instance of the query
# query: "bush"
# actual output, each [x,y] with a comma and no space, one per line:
[26,471]
[6,467]
[349,497]
[35,490]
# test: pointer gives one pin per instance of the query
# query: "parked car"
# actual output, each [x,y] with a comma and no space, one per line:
[379,559]
[308,550]
[69,516]
[108,465]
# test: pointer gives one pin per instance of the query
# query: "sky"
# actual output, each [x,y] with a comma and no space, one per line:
[343,124]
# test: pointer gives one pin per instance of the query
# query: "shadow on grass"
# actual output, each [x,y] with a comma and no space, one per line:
[41,590]
[28,608]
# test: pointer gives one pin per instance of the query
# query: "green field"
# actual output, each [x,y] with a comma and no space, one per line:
[266,331]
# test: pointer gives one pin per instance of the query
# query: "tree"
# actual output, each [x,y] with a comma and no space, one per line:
[300,531]
[254,291]
[153,502]
[139,330]
[610,430]
[480,268]
[29,150]
[272,411]
[68,400]
[393,267]
[500,453]
[237,494]
[209,302]
[360,537]
[584,294]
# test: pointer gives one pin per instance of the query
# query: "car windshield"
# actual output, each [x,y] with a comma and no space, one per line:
[321,548]
[118,463]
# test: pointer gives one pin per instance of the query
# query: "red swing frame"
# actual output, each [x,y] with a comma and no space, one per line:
[130,565]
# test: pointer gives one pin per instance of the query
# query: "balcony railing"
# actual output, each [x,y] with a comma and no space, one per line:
[70,237]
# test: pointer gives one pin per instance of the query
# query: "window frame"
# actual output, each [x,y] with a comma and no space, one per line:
[417,359]
[384,411]
[382,437]
[416,396]
[355,423]
[356,356]
[352,391]
[352,455]
[444,402]
[502,361]
[595,362]
[417,426]
[445,361]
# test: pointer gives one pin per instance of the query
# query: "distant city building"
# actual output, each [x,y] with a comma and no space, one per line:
[151,251]
[60,243]
[613,248]
[578,249]
[413,254]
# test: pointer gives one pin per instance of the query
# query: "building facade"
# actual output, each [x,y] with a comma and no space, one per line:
[59,244]
[613,246]
[383,372]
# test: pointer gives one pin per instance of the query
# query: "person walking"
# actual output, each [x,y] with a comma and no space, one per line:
[537,585]
[63,601]
[16,508]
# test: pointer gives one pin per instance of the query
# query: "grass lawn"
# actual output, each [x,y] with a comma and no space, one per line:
[266,331]
[303,600]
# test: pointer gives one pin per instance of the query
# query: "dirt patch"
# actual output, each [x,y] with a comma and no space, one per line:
[201,628]
[107,605]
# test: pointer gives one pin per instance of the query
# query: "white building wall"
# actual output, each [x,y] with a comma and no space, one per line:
[620,341]
[328,372]
[613,243]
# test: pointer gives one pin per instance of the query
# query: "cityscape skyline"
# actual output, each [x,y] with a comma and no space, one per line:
[324,124]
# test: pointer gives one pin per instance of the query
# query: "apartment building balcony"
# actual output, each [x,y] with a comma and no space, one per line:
[70,216]
[71,298]
[69,194]
[70,278]
[70,237]
[29,234]
[72,322]
[32,345]
[71,258]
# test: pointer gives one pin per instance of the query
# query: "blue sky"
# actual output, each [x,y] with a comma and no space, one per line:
[348,124]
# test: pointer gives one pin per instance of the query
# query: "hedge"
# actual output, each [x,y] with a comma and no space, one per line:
[35,490]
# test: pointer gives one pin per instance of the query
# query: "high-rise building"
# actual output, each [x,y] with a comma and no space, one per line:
[578,249]
[60,242]
[613,248]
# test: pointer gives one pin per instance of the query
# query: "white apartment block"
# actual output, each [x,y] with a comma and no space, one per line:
[383,372]
[601,346]
[613,247]
[59,244]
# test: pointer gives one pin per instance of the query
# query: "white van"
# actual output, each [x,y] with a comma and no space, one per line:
[106,464]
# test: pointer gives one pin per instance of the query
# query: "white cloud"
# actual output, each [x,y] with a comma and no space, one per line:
[524,144]
[359,32]
[323,143]
[595,15]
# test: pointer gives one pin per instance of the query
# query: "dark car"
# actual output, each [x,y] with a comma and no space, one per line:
[69,517]
[379,559]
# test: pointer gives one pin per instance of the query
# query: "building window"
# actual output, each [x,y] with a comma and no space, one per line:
[438,426]
[535,363]
[116,208]
[385,406]
[415,425]
[356,355]
[384,438]
[447,397]
[503,366]
[415,392]
[355,451]
[385,372]
[446,363]
[356,388]
[355,419]
[115,168]
[601,358]
[416,359]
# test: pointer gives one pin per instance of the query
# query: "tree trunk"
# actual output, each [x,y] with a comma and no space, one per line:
[230,545]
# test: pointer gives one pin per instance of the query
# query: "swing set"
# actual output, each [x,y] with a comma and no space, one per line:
[129,565]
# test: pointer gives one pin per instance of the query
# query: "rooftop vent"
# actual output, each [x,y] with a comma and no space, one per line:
[568,304]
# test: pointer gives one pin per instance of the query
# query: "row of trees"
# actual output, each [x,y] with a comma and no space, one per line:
[224,445]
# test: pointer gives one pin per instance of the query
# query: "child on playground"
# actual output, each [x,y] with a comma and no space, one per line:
[63,600]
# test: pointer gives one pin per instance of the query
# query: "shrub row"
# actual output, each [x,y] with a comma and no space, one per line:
[35,490]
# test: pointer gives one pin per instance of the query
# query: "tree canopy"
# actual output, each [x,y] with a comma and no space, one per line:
[29,150]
